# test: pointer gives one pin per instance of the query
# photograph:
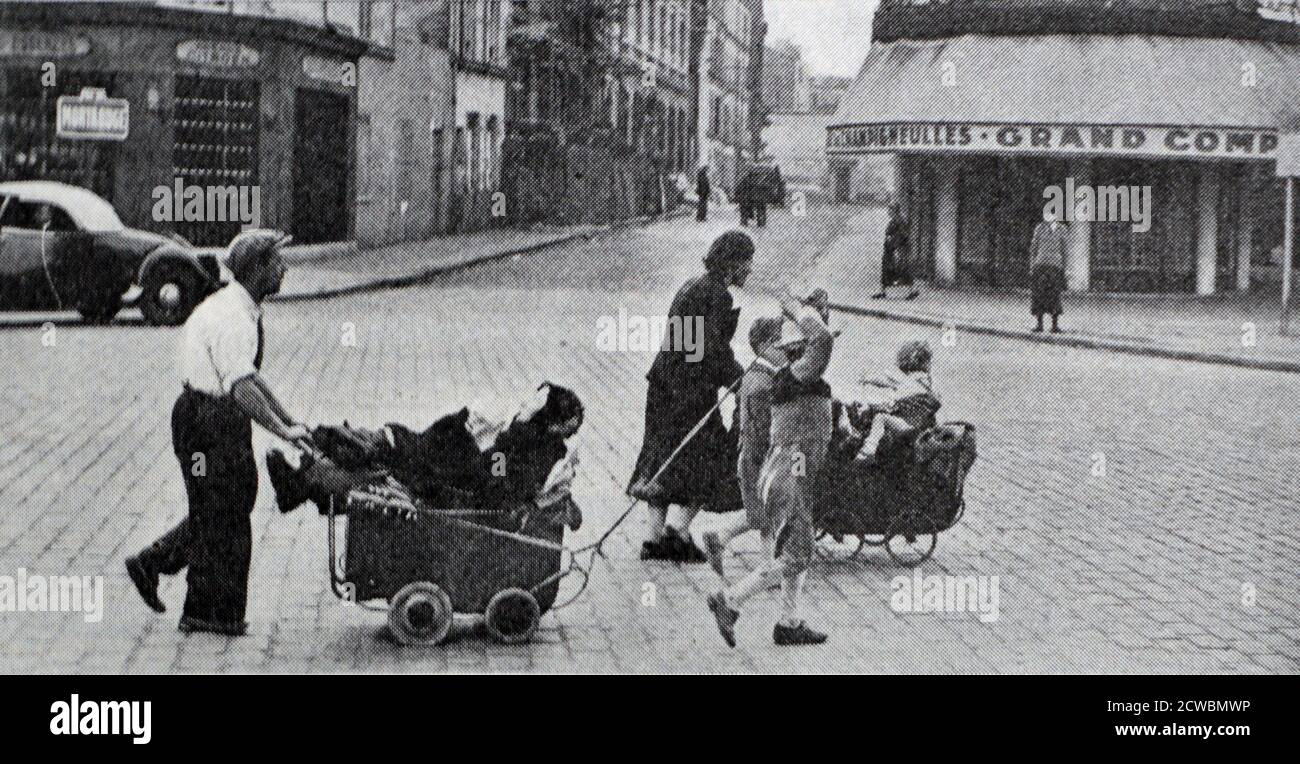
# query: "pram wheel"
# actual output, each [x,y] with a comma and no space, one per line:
[911,539]
[512,616]
[420,614]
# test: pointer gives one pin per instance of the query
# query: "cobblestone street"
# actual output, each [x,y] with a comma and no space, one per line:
[1147,567]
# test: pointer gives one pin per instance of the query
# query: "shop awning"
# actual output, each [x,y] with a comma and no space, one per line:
[1076,80]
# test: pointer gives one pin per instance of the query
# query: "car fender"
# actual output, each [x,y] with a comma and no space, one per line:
[166,256]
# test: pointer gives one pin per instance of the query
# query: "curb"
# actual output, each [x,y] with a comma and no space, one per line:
[1078,341]
[427,274]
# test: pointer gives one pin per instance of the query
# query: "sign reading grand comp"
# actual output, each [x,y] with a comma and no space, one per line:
[1002,138]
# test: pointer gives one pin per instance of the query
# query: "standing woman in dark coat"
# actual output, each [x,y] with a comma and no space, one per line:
[684,385]
[895,261]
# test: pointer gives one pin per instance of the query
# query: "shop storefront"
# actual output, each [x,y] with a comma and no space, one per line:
[1166,136]
[207,100]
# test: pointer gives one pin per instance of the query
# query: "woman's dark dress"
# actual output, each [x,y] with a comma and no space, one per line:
[680,393]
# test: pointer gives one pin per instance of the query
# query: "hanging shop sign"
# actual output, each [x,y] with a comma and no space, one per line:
[1091,140]
[217,53]
[92,116]
[324,69]
[42,45]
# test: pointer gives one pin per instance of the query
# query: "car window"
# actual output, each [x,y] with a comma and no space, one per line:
[36,216]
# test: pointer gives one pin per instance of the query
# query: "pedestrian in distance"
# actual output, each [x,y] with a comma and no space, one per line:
[222,394]
[702,190]
[1047,269]
[682,392]
[895,261]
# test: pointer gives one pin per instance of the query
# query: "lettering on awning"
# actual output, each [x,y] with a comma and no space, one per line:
[217,53]
[43,45]
[1009,138]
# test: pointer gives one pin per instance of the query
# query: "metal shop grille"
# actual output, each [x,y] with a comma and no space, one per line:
[216,144]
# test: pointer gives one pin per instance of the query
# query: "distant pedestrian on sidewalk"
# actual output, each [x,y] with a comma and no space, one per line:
[684,387]
[702,190]
[1047,269]
[212,437]
[895,261]
[788,482]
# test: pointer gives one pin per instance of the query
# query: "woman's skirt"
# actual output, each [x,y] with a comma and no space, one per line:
[703,474]
[1048,282]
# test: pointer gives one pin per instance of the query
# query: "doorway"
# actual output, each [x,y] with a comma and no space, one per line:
[321,168]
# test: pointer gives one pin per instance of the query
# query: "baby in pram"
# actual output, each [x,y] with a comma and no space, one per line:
[898,405]
[461,461]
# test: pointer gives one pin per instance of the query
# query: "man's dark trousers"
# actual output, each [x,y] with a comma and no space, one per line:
[702,208]
[216,540]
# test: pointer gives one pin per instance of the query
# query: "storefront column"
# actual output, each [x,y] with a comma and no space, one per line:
[1207,227]
[1078,265]
[1245,226]
[947,176]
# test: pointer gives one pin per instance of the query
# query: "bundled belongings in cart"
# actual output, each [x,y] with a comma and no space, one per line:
[911,490]
[467,516]
[468,459]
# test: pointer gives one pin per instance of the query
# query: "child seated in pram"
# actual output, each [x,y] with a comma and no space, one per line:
[901,404]
[461,461]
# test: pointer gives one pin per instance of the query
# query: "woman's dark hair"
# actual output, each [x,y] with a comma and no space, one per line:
[729,248]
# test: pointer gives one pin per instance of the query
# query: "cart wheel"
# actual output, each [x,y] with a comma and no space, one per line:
[911,539]
[512,616]
[420,614]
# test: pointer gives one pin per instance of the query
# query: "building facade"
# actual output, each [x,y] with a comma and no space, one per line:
[993,107]
[477,42]
[597,109]
[207,95]
[406,121]
[730,107]
[786,84]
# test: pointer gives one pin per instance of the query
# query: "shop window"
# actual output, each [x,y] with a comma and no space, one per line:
[29,148]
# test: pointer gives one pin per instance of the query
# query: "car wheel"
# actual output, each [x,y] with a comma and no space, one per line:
[100,310]
[168,295]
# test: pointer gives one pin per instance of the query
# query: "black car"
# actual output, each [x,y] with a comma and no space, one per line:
[63,247]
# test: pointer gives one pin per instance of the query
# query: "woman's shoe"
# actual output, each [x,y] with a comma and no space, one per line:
[656,550]
[682,549]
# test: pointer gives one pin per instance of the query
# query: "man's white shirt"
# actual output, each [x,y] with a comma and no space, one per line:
[219,341]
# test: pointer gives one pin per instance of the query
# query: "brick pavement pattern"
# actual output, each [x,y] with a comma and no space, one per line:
[1141,569]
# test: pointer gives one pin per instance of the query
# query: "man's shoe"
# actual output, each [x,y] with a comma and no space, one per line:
[189,625]
[1056,330]
[799,634]
[713,548]
[726,616]
[656,550]
[915,294]
[879,296]
[287,483]
[145,579]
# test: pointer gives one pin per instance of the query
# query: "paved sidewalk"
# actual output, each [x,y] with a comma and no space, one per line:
[1232,329]
[340,271]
